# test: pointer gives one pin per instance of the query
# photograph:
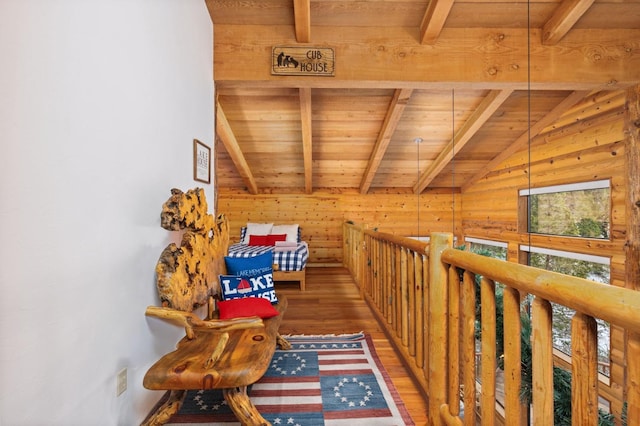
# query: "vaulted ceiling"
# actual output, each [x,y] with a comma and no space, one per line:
[475,81]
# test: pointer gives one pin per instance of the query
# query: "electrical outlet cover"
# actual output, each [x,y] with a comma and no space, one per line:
[121,382]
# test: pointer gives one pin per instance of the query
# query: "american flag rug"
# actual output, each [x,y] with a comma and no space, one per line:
[321,380]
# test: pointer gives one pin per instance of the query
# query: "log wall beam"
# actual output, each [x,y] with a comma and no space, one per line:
[632,153]
[632,245]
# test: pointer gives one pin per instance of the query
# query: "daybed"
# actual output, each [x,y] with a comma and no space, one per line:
[290,253]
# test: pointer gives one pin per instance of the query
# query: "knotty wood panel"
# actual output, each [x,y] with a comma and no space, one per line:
[322,213]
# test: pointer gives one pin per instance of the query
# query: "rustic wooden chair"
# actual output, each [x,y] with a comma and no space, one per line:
[226,354]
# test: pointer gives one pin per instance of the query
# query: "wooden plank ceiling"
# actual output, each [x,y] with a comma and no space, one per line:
[473,80]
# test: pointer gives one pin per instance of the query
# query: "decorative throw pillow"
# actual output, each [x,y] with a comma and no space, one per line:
[290,230]
[249,266]
[256,229]
[273,238]
[266,240]
[257,271]
[258,240]
[246,307]
[235,287]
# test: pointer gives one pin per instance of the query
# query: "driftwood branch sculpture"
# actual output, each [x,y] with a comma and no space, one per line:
[228,354]
[182,275]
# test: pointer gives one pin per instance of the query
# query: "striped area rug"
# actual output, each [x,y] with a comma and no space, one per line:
[322,380]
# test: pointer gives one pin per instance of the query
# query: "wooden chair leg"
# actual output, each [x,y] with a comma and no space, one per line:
[283,343]
[243,408]
[165,411]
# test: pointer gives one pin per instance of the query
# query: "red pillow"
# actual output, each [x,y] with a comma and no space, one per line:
[272,238]
[246,307]
[258,240]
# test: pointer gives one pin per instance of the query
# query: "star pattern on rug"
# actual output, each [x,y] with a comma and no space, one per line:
[289,421]
[298,361]
[200,402]
[355,387]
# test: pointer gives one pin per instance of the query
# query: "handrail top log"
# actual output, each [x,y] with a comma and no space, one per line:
[406,242]
[617,305]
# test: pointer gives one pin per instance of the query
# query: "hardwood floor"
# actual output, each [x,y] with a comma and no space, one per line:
[332,304]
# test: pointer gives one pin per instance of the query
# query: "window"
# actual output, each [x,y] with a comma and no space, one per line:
[594,268]
[495,249]
[574,210]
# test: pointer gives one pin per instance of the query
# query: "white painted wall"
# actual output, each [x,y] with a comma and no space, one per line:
[100,101]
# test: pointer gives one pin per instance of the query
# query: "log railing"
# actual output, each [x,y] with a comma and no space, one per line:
[353,244]
[425,296]
[391,272]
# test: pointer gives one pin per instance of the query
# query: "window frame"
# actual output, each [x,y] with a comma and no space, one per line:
[524,204]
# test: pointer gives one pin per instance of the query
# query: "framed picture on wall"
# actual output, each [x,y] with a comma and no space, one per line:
[201,162]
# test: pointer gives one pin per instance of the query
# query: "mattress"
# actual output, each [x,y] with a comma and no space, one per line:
[291,260]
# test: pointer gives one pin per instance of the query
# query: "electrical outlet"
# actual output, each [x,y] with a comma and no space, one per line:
[121,382]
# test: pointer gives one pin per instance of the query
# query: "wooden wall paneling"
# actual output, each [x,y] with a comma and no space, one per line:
[321,215]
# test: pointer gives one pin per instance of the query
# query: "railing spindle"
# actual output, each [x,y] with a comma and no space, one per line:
[633,378]
[402,303]
[398,296]
[542,360]
[386,285]
[584,369]
[512,327]
[468,325]
[425,316]
[454,342]
[488,344]
[419,311]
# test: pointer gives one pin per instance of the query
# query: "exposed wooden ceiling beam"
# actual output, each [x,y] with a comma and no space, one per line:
[434,20]
[485,110]
[405,64]
[302,15]
[563,19]
[307,142]
[522,141]
[225,134]
[394,113]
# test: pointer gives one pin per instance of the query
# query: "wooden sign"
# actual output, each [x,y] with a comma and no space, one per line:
[315,61]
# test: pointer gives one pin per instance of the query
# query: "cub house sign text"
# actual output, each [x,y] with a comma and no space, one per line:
[317,61]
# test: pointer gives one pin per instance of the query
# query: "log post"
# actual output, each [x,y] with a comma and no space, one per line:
[632,246]
[437,326]
[542,360]
[584,370]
